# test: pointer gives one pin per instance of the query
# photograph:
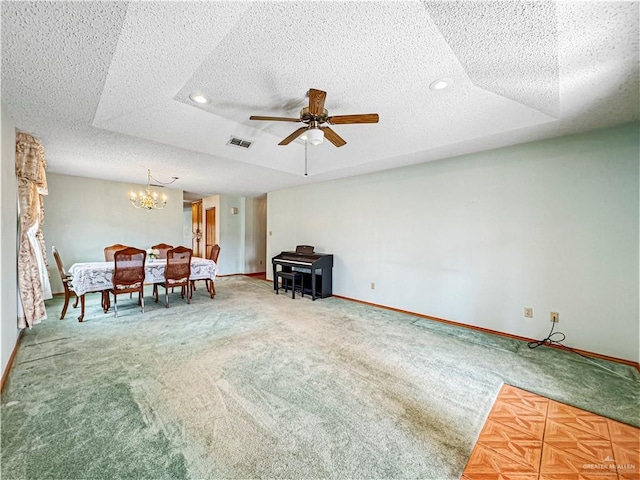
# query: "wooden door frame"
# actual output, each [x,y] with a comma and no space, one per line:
[209,230]
[197,227]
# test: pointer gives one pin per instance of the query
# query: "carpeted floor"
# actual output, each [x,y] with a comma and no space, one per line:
[254,385]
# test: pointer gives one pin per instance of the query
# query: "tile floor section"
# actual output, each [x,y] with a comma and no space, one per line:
[529,437]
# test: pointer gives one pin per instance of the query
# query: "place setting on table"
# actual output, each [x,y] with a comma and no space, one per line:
[89,277]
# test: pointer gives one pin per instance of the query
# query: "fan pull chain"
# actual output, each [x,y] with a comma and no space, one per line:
[305,158]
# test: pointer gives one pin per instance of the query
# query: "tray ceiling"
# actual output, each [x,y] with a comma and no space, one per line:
[106,85]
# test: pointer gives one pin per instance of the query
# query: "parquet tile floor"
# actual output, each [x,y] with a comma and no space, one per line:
[530,437]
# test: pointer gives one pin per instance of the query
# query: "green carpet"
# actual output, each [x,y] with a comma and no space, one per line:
[254,385]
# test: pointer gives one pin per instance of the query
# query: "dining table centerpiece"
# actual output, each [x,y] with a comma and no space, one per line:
[153,253]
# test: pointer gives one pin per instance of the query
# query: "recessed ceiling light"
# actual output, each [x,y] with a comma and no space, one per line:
[441,84]
[199,98]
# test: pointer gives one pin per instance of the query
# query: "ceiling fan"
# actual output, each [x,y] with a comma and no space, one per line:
[314,116]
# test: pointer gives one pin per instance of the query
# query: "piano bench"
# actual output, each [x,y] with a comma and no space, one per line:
[289,277]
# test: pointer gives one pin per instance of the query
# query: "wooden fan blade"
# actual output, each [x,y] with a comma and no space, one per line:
[293,136]
[316,101]
[343,119]
[274,119]
[333,137]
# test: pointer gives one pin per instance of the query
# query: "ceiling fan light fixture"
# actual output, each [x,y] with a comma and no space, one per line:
[199,98]
[315,115]
[315,136]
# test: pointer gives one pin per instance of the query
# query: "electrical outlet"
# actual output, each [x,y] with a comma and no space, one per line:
[528,312]
[554,317]
[373,285]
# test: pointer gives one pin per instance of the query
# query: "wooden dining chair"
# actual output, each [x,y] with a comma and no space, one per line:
[163,248]
[108,257]
[111,250]
[128,275]
[176,274]
[66,282]
[213,255]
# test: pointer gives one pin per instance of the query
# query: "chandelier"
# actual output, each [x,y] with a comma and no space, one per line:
[149,200]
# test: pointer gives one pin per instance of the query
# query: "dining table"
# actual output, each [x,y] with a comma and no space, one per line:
[88,277]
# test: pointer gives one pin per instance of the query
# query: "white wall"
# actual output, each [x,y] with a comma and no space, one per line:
[84,215]
[551,225]
[8,232]
[187,227]
[231,234]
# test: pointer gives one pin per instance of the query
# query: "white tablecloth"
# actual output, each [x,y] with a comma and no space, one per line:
[97,276]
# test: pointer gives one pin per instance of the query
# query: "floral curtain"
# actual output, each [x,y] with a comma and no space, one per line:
[33,281]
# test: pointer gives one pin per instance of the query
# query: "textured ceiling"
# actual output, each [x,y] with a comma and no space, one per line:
[106,85]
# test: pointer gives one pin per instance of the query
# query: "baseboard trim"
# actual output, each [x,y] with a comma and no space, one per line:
[255,274]
[623,361]
[12,357]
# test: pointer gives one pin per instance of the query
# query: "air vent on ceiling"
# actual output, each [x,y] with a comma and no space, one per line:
[238,142]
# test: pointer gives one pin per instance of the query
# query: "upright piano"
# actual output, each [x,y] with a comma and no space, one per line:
[316,269]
